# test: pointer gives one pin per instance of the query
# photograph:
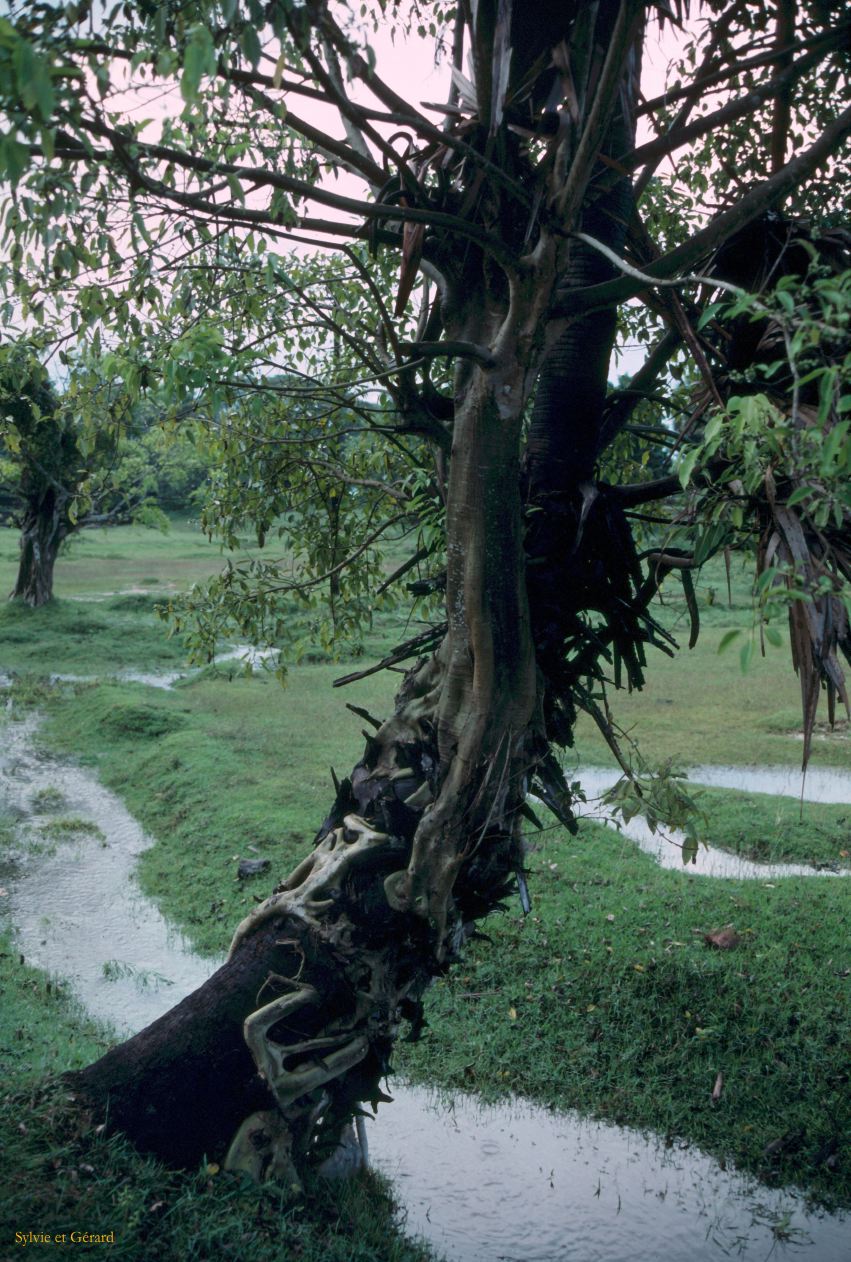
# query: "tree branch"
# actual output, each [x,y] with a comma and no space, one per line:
[599,116]
[622,403]
[703,82]
[259,177]
[723,225]
[461,350]
[739,108]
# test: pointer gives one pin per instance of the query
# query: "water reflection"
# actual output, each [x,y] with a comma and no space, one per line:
[665,846]
[75,902]
[519,1183]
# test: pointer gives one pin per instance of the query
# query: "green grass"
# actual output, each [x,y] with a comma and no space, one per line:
[632,1017]
[602,1005]
[213,768]
[85,639]
[701,708]
[123,559]
[777,829]
[107,587]
[62,1176]
[608,999]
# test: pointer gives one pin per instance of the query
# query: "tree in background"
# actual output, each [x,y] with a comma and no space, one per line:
[57,478]
[521,217]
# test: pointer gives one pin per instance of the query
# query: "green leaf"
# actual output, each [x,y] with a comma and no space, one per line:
[686,467]
[33,79]
[727,639]
[250,44]
[746,656]
[199,59]
[709,314]
[14,158]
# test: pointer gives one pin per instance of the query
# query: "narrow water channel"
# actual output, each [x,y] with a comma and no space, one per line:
[75,902]
[665,845]
[243,655]
[506,1183]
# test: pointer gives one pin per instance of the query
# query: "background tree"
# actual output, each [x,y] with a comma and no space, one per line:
[57,476]
[525,217]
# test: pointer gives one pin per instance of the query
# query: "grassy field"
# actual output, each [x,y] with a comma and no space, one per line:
[607,997]
[124,560]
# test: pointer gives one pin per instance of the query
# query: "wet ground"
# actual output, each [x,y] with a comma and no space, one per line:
[511,1182]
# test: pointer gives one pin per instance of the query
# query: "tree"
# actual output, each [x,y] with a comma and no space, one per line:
[525,218]
[55,478]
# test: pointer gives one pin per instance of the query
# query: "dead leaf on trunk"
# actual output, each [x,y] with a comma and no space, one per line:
[724,939]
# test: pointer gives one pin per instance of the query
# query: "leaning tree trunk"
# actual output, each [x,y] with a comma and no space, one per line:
[43,531]
[265,1064]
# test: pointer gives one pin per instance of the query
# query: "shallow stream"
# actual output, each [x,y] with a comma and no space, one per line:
[244,654]
[511,1182]
[665,846]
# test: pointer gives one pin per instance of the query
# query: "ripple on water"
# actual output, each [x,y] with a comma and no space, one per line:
[522,1184]
[77,906]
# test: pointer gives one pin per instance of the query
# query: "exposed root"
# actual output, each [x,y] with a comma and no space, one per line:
[355,909]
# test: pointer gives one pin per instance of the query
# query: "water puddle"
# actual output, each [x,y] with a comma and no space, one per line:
[519,1183]
[821,784]
[825,785]
[246,654]
[73,896]
[511,1182]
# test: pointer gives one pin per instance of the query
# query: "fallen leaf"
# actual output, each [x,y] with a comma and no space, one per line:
[512,1014]
[718,1088]
[724,939]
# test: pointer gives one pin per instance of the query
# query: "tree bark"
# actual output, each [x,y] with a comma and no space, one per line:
[43,531]
[296,1030]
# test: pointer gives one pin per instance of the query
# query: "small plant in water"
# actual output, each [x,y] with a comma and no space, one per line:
[145,978]
[69,826]
[47,800]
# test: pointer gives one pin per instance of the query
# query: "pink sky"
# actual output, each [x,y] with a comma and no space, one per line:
[407,65]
